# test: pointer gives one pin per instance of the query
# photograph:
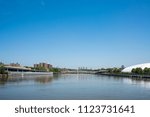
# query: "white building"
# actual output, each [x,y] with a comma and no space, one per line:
[129,69]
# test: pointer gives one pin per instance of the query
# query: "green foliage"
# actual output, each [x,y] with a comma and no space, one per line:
[109,70]
[146,71]
[2,69]
[113,70]
[137,70]
[40,69]
[116,70]
[55,70]
[133,70]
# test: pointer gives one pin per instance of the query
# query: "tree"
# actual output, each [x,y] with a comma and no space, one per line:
[40,69]
[2,69]
[116,70]
[109,70]
[137,70]
[55,70]
[133,70]
[146,70]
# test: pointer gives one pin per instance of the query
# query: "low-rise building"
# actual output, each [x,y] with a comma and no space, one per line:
[43,65]
[15,64]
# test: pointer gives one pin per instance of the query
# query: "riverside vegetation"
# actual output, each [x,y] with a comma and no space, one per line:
[145,71]
[138,70]
[54,70]
[3,73]
[138,73]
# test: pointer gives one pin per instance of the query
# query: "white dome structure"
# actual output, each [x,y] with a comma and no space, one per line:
[129,69]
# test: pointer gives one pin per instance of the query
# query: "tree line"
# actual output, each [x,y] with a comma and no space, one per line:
[139,70]
[55,70]
[2,69]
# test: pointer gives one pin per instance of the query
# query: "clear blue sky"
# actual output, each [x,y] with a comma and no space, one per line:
[75,33]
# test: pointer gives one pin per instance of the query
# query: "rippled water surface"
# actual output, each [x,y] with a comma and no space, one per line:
[74,86]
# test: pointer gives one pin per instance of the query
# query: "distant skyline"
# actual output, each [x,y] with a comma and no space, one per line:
[75,33]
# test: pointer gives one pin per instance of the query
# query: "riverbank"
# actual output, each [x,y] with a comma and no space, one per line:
[139,76]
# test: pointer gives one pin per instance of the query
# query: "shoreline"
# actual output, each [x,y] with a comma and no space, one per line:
[139,76]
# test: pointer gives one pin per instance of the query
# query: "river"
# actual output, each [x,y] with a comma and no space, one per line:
[74,87]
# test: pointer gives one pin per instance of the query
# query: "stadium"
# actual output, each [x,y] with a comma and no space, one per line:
[129,69]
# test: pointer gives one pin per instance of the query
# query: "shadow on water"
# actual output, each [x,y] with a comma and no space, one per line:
[3,81]
[74,86]
[139,82]
[49,79]
[143,82]
[18,79]
[126,80]
[44,80]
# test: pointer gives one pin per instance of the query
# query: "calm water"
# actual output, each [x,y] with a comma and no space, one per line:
[74,86]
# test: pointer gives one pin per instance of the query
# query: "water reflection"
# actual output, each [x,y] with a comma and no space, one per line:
[39,79]
[44,80]
[132,81]
[139,82]
[74,86]
[3,81]
[49,79]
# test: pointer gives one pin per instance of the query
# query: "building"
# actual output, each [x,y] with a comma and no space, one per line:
[15,64]
[129,69]
[43,65]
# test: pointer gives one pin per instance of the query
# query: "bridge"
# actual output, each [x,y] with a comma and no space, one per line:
[82,71]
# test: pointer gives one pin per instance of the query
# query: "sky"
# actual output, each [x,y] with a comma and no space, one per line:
[75,33]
